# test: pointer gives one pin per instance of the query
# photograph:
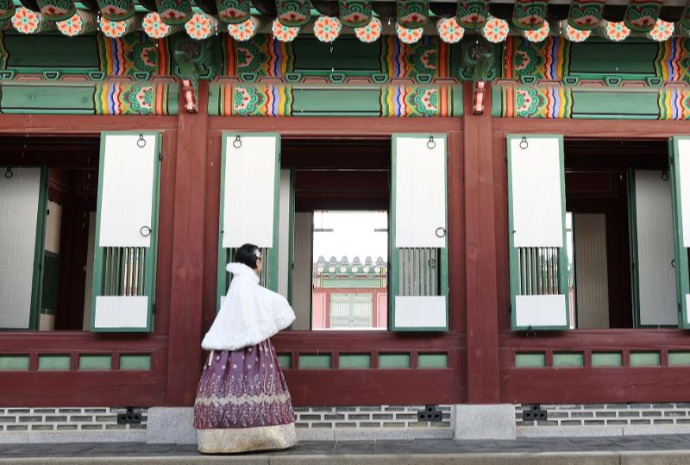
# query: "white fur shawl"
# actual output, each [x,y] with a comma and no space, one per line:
[249,314]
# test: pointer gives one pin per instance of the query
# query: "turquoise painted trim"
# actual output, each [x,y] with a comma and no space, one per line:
[393,281]
[272,262]
[152,253]
[632,231]
[513,251]
[39,250]
[681,253]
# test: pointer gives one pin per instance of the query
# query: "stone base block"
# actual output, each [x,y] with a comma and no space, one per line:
[170,425]
[484,421]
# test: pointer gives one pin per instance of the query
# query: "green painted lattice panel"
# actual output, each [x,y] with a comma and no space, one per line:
[54,362]
[135,362]
[356,102]
[14,362]
[314,362]
[561,360]
[95,362]
[347,53]
[395,361]
[645,359]
[530,360]
[47,99]
[679,358]
[610,105]
[34,53]
[607,359]
[354,361]
[599,59]
[432,361]
[285,361]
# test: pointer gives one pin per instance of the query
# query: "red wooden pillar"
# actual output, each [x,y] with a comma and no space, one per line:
[186,286]
[483,386]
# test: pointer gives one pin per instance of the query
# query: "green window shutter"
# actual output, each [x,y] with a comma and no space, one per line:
[23,200]
[249,202]
[126,233]
[538,262]
[418,283]
[679,163]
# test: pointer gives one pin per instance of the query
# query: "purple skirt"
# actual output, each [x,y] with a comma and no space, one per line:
[243,402]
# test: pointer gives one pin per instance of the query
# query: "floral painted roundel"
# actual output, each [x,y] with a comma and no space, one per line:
[25,20]
[327,28]
[662,31]
[449,30]
[496,30]
[371,32]
[154,26]
[407,35]
[576,35]
[616,31]
[284,33]
[243,31]
[538,35]
[72,26]
[200,26]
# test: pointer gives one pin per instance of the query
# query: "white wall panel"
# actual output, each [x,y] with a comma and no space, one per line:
[420,192]
[250,183]
[284,233]
[536,193]
[420,312]
[540,310]
[655,249]
[121,312]
[127,190]
[19,197]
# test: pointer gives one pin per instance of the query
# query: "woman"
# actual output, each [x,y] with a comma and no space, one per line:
[243,403]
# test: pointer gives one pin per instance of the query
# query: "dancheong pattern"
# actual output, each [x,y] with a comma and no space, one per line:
[673,60]
[132,54]
[3,51]
[263,55]
[407,60]
[416,101]
[131,99]
[255,100]
[549,59]
[674,104]
[537,102]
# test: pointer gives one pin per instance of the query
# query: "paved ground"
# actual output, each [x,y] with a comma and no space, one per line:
[420,447]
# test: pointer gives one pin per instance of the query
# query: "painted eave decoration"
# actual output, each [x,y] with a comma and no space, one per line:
[367,20]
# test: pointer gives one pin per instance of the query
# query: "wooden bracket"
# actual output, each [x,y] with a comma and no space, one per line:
[189,96]
[478,88]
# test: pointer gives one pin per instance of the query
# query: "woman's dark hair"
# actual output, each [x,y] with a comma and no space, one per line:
[248,254]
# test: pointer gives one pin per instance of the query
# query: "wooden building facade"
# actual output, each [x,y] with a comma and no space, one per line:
[540,174]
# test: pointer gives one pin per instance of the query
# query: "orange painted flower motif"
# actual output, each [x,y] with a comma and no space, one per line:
[72,26]
[242,31]
[371,32]
[113,29]
[154,27]
[284,33]
[450,31]
[576,35]
[538,35]
[25,20]
[662,31]
[408,36]
[327,28]
[617,31]
[199,27]
[496,30]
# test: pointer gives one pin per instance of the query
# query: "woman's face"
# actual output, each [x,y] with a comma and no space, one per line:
[259,265]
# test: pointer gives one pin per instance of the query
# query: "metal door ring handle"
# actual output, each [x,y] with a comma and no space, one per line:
[432,263]
[145,231]
[141,142]
[673,263]
[440,232]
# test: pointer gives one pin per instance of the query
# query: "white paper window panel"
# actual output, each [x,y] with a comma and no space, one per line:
[53,223]
[683,162]
[540,311]
[19,197]
[536,193]
[284,233]
[420,312]
[591,270]
[113,312]
[655,249]
[249,194]
[420,193]
[127,197]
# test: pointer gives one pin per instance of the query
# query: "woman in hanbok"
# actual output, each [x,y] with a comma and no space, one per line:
[243,403]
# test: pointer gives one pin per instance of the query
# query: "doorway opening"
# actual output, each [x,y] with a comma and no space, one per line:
[48,195]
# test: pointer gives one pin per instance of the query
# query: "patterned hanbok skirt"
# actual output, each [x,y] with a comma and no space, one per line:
[243,403]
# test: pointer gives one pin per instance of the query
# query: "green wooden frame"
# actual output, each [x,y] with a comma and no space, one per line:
[681,255]
[152,259]
[272,277]
[513,251]
[393,273]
